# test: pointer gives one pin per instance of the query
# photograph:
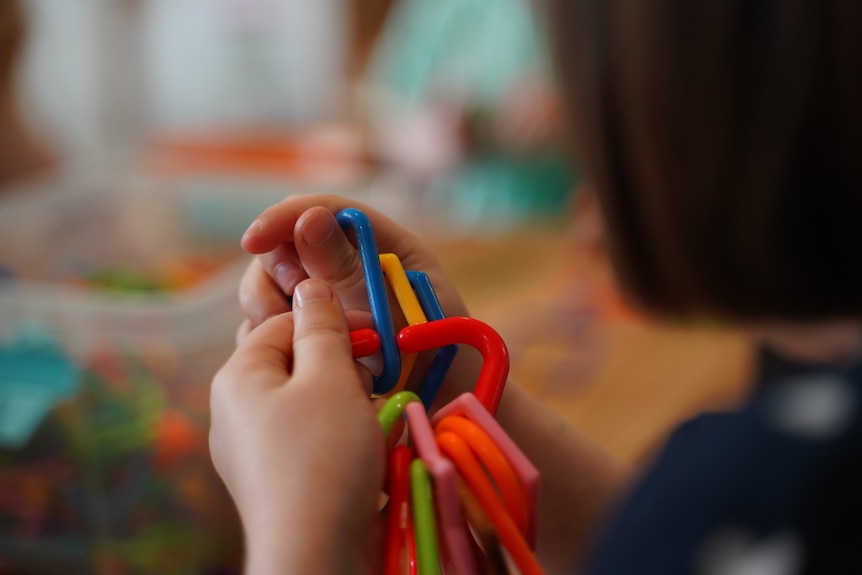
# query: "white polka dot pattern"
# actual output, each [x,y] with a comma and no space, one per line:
[816,408]
[735,551]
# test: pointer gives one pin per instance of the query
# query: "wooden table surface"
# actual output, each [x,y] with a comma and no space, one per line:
[624,379]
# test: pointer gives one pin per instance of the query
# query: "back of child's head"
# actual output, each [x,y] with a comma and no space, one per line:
[724,138]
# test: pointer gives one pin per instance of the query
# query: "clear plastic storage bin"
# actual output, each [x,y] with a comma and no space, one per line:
[117,306]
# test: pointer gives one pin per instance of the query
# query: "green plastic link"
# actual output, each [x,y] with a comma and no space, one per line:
[394,408]
[424,522]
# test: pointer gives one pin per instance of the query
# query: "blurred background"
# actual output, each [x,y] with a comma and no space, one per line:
[138,138]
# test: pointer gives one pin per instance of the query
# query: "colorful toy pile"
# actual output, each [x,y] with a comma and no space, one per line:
[462,496]
[117,478]
[104,420]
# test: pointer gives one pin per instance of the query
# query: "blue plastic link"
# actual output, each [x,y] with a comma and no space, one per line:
[351,218]
[445,355]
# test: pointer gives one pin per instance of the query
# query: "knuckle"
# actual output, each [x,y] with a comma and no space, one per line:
[352,283]
[324,329]
[319,330]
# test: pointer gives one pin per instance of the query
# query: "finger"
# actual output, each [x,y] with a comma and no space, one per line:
[257,365]
[283,265]
[326,253]
[263,357]
[321,343]
[276,224]
[259,296]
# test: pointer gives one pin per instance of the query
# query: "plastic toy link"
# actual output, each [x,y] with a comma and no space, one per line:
[460,491]
[352,218]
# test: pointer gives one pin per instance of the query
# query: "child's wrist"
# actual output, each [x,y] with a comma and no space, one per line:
[305,526]
[300,541]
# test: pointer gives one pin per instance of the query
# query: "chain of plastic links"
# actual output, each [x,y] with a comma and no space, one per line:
[438,453]
[428,328]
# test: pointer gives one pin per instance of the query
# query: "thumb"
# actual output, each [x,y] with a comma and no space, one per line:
[321,342]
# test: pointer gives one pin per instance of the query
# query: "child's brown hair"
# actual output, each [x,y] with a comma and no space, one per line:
[724,138]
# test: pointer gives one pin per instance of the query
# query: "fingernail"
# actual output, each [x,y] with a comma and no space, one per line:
[309,291]
[318,229]
[252,229]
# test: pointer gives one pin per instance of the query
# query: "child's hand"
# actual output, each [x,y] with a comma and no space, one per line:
[296,440]
[300,238]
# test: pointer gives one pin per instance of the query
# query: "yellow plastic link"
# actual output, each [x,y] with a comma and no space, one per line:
[396,277]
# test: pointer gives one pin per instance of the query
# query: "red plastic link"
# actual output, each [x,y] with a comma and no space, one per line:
[465,330]
[365,342]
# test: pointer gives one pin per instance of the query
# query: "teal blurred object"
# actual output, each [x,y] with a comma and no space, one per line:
[474,48]
[500,191]
[35,375]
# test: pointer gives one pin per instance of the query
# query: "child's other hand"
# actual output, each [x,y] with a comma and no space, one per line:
[295,438]
[300,238]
